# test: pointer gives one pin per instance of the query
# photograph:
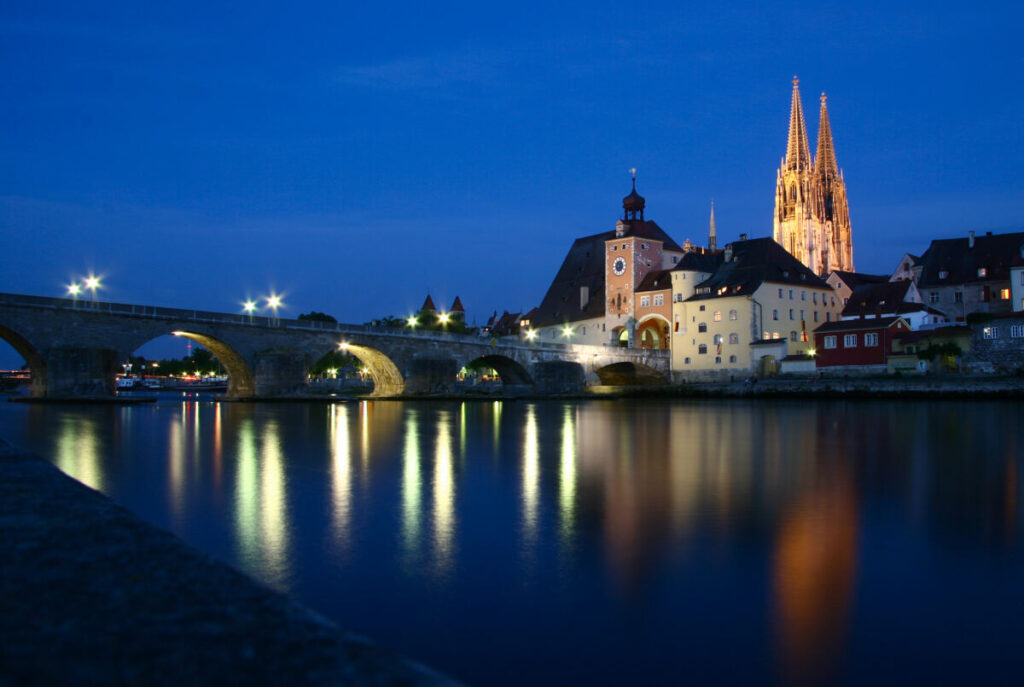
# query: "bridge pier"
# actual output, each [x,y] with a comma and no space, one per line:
[78,372]
[558,377]
[280,373]
[430,375]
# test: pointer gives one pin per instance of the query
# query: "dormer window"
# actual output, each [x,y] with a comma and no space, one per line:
[943,274]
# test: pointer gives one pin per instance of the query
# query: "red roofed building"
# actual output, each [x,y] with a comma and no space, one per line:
[857,343]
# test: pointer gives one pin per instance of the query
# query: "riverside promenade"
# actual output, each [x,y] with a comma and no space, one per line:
[92,595]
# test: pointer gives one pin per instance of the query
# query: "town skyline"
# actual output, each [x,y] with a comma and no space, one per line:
[465,162]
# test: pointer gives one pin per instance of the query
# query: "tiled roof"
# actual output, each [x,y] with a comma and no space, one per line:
[657,280]
[584,266]
[856,279]
[885,295]
[960,262]
[699,262]
[754,262]
[854,325]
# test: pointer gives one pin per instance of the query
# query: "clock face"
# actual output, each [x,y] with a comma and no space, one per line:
[619,266]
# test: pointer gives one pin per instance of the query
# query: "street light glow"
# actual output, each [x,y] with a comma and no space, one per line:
[343,345]
[531,334]
[92,282]
[249,306]
[74,289]
[411,321]
[567,331]
[443,318]
[273,302]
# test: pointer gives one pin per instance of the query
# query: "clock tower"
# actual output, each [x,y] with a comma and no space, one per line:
[629,255]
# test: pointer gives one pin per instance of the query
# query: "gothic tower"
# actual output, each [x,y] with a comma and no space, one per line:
[812,219]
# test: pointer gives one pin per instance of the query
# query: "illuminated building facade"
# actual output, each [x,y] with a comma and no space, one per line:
[812,218]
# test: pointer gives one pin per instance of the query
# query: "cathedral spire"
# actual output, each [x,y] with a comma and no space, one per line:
[825,158]
[712,233]
[798,150]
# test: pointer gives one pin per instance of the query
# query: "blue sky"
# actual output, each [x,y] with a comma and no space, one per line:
[353,156]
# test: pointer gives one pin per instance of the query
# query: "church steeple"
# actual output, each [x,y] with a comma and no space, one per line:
[633,204]
[712,232]
[798,150]
[825,159]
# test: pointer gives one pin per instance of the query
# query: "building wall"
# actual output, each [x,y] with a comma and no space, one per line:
[982,296]
[647,315]
[997,345]
[1017,288]
[592,332]
[859,354]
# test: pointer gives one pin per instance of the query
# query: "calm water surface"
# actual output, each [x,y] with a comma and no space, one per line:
[612,541]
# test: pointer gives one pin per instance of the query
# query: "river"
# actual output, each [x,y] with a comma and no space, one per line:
[606,541]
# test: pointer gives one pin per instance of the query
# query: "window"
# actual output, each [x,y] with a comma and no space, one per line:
[802,318]
[871,339]
[767,335]
[625,246]
[791,313]
[686,361]
[718,360]
[791,294]
[717,317]
[830,342]
[733,315]
[982,272]
[780,293]
[1004,294]
[775,314]
[958,296]
[815,315]
[643,246]
[718,339]
[678,298]
[776,335]
[615,247]
[792,336]
[803,295]
[675,259]
[943,274]
[732,358]
[933,297]
[828,317]
[815,297]
[702,308]
[1017,331]
[990,332]
[645,301]
[849,341]
[702,349]
[702,327]
[734,338]
[1022,278]
[659,299]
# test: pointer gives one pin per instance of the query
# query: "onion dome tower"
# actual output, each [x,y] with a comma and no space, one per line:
[633,204]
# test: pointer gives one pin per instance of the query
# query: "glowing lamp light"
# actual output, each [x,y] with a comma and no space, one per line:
[74,289]
[443,318]
[249,306]
[411,321]
[92,283]
[343,345]
[811,352]
[567,331]
[178,333]
[273,302]
[531,334]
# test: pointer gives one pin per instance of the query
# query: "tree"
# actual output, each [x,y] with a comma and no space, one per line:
[315,316]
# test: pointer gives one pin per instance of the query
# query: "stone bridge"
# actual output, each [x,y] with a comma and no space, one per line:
[74,348]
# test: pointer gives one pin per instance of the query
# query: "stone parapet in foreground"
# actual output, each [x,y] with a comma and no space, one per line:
[92,595]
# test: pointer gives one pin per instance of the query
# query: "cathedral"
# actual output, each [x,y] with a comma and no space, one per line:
[812,219]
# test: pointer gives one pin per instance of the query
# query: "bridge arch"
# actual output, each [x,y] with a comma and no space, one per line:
[241,381]
[35,361]
[511,372]
[629,374]
[387,378]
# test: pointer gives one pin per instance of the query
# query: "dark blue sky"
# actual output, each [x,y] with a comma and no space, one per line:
[353,156]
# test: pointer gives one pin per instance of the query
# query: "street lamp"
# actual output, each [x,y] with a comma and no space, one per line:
[274,302]
[412,321]
[567,331]
[92,283]
[249,307]
[443,318]
[74,288]
[531,334]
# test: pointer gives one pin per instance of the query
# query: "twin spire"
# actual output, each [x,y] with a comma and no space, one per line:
[798,150]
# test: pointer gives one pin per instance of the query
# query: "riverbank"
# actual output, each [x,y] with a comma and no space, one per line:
[92,595]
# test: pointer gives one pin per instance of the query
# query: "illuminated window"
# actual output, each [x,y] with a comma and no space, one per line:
[733,315]
[850,341]
[990,333]
[1004,294]
[871,339]
[717,317]
[659,299]
[830,342]
[702,349]
[734,338]
[776,335]
[982,272]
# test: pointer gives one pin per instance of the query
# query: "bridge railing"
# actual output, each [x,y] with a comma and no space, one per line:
[210,317]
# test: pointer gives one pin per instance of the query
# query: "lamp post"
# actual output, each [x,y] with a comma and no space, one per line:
[74,288]
[274,302]
[92,283]
[249,307]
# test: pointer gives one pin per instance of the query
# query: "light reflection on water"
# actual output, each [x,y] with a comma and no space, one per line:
[644,540]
